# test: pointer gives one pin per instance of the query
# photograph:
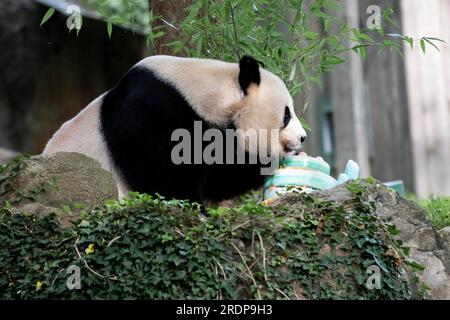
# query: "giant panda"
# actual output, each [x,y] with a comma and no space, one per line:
[129,129]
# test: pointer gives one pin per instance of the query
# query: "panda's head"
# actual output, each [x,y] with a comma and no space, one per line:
[267,105]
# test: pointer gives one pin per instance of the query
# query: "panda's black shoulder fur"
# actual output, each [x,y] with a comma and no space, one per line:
[137,119]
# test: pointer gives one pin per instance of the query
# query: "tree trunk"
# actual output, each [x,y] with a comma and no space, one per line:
[173,12]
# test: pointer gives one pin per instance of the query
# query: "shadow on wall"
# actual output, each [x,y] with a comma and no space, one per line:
[47,74]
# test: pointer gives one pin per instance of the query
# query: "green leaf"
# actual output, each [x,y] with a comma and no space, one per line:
[193,12]
[109,28]
[333,60]
[393,230]
[416,266]
[293,71]
[422,45]
[179,275]
[410,40]
[356,48]
[362,53]
[366,37]
[47,15]
[435,39]
[81,24]
[158,34]
[435,46]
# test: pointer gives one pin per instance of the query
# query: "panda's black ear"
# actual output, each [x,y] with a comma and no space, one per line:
[248,72]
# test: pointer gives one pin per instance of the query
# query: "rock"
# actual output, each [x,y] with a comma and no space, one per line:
[37,209]
[435,274]
[429,247]
[61,179]
[445,235]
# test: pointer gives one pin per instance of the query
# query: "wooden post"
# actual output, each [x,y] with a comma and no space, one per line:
[428,83]
[390,143]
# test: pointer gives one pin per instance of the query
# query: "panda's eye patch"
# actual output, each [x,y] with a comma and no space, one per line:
[287,117]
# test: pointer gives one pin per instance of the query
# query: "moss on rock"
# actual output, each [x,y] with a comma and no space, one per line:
[64,178]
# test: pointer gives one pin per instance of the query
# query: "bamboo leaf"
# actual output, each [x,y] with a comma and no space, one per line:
[293,71]
[435,39]
[422,45]
[47,15]
[109,28]
[362,53]
[428,40]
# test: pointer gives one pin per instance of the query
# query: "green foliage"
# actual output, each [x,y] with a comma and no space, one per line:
[8,172]
[132,14]
[152,248]
[297,40]
[438,211]
[436,208]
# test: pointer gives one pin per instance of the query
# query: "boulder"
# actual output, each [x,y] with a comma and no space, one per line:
[429,247]
[58,180]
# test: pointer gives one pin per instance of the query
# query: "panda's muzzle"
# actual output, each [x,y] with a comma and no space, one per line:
[293,150]
[289,148]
